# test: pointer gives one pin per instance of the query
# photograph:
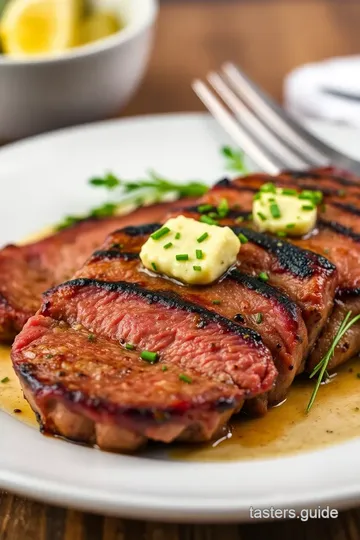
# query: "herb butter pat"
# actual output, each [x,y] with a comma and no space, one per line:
[199,253]
[281,211]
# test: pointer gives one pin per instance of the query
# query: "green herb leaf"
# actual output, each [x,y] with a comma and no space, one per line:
[263,276]
[235,160]
[208,220]
[243,239]
[148,356]
[160,233]
[129,346]
[203,237]
[5,380]
[321,367]
[199,254]
[168,245]
[197,268]
[275,211]
[185,378]
[182,257]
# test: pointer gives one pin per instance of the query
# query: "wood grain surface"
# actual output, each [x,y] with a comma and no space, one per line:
[268,38]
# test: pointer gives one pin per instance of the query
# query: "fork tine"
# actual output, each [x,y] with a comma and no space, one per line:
[263,159]
[265,136]
[314,151]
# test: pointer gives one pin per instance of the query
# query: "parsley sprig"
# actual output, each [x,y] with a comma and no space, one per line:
[321,367]
[235,160]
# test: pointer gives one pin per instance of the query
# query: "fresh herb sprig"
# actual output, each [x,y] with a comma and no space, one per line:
[321,367]
[235,160]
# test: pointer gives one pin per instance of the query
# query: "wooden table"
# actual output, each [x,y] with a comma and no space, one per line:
[268,38]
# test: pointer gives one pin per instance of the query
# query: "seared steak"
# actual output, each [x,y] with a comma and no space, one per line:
[79,376]
[27,271]
[239,297]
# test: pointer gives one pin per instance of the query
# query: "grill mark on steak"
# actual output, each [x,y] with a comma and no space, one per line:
[299,262]
[165,298]
[340,229]
[109,254]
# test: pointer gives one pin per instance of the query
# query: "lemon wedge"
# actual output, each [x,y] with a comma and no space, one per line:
[98,25]
[36,27]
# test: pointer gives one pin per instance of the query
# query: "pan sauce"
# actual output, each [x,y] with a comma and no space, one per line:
[286,429]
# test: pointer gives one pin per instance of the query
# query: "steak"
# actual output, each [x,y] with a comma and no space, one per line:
[239,297]
[26,271]
[73,361]
[337,238]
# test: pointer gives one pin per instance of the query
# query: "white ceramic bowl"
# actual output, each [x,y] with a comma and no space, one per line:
[82,85]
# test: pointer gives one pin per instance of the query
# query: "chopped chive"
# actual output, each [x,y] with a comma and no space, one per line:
[275,211]
[49,355]
[129,346]
[216,302]
[239,219]
[263,276]
[250,217]
[205,208]
[149,356]
[257,196]
[315,197]
[214,215]
[258,318]
[223,208]
[281,234]
[168,245]
[243,239]
[197,268]
[341,193]
[5,380]
[287,191]
[177,236]
[160,233]
[203,237]
[208,220]
[164,368]
[261,216]
[154,267]
[268,188]
[185,378]
[182,257]
[91,338]
[199,254]
[290,225]
[307,207]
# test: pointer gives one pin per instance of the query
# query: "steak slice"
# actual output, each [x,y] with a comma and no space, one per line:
[239,297]
[79,376]
[99,393]
[26,271]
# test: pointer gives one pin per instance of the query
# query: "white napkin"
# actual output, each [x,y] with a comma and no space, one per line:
[306,90]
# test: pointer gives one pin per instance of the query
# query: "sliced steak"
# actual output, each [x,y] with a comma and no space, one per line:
[79,376]
[239,297]
[97,392]
[26,271]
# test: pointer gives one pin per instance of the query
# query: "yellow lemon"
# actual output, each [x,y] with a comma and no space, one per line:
[36,27]
[98,25]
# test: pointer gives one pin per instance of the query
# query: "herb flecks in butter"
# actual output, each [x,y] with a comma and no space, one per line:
[219,249]
[284,211]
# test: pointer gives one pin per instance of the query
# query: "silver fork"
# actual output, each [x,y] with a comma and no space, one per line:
[266,133]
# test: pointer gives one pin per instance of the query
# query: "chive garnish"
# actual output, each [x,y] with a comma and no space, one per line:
[164,368]
[261,216]
[288,191]
[185,378]
[216,302]
[263,276]
[243,239]
[154,267]
[199,254]
[168,245]
[321,367]
[204,208]
[223,208]
[307,207]
[258,318]
[239,219]
[257,196]
[91,337]
[177,236]
[182,257]
[290,225]
[275,211]
[129,346]
[5,380]
[203,237]
[268,188]
[149,356]
[208,220]
[197,268]
[160,233]
[281,234]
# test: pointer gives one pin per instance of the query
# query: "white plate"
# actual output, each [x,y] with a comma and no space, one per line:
[44,178]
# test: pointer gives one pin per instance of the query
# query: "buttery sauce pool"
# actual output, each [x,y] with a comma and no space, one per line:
[286,429]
